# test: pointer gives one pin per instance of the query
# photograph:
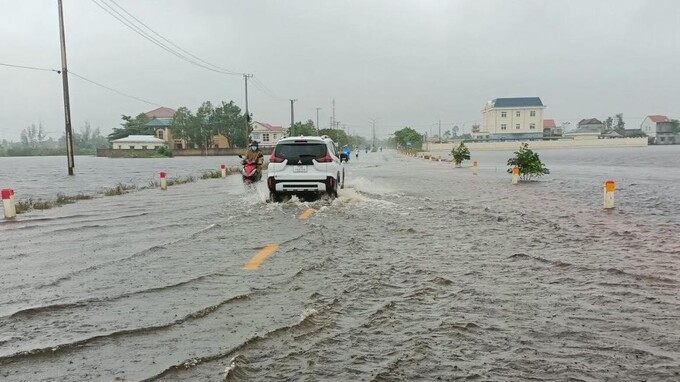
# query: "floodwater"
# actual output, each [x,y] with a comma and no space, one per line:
[418,271]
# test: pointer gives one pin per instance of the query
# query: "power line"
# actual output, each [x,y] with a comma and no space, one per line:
[172,43]
[125,21]
[262,87]
[112,89]
[30,67]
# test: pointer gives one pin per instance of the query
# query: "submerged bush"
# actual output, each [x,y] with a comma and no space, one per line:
[528,162]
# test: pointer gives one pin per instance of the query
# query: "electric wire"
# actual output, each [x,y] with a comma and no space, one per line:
[135,28]
[172,43]
[30,67]
[112,89]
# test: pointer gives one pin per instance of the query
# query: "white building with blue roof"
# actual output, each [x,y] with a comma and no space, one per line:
[512,119]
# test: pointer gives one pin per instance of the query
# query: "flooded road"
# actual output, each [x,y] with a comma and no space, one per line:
[418,271]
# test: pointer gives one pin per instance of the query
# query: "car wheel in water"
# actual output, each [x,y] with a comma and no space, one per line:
[275,197]
[342,185]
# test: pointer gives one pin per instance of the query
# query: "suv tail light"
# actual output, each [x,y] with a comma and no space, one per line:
[325,159]
[274,159]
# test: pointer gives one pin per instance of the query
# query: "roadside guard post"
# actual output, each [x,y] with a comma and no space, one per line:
[609,187]
[224,170]
[474,167]
[164,182]
[8,203]
[439,159]
[515,175]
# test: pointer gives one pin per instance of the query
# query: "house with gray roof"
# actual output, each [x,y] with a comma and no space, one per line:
[516,118]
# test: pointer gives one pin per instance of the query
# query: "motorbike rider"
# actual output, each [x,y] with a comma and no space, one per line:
[255,154]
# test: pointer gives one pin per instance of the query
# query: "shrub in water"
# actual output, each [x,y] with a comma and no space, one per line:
[528,162]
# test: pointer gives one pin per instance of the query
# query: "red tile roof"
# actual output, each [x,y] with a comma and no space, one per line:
[659,118]
[276,129]
[161,112]
[549,124]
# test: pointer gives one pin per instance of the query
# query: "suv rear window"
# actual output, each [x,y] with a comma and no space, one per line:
[304,152]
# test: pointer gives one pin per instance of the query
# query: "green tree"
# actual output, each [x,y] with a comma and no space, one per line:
[228,120]
[620,125]
[300,128]
[132,126]
[528,162]
[460,154]
[407,134]
[609,123]
[675,125]
[455,130]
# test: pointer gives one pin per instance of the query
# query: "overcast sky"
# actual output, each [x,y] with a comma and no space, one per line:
[402,63]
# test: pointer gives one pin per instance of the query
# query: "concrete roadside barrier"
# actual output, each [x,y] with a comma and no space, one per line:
[515,175]
[609,187]
[8,203]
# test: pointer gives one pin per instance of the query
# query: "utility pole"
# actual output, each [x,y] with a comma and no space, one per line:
[292,117]
[67,101]
[317,121]
[373,127]
[245,77]
[333,123]
[440,131]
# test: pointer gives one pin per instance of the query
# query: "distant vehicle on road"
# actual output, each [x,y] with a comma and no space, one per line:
[346,153]
[305,166]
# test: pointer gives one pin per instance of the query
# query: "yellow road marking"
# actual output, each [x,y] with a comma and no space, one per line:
[259,258]
[307,214]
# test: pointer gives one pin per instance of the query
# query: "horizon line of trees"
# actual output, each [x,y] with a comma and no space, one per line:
[33,141]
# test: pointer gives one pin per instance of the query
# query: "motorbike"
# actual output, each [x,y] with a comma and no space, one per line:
[250,172]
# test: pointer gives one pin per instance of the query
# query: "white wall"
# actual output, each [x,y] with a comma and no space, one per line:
[492,119]
[648,127]
[559,144]
[136,145]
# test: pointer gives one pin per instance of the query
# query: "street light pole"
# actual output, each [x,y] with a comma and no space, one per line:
[67,101]
[318,130]
[292,117]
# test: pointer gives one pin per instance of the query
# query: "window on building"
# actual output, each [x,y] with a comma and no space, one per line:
[160,134]
[144,147]
[532,113]
[517,126]
[532,126]
[517,114]
[120,146]
[265,137]
[504,126]
[132,147]
[503,114]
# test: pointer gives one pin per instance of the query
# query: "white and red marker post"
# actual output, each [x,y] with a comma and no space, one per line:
[474,167]
[8,203]
[224,170]
[515,175]
[164,182]
[609,187]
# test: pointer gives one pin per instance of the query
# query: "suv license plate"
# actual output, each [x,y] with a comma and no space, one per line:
[300,169]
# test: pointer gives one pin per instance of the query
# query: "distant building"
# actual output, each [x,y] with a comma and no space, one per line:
[161,120]
[138,142]
[659,129]
[513,118]
[267,135]
[591,125]
[550,129]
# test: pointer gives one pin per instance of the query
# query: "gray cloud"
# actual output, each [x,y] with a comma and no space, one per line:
[400,62]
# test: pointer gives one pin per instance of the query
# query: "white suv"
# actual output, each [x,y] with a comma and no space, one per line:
[305,165]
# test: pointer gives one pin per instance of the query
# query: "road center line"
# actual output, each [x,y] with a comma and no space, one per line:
[307,214]
[259,258]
